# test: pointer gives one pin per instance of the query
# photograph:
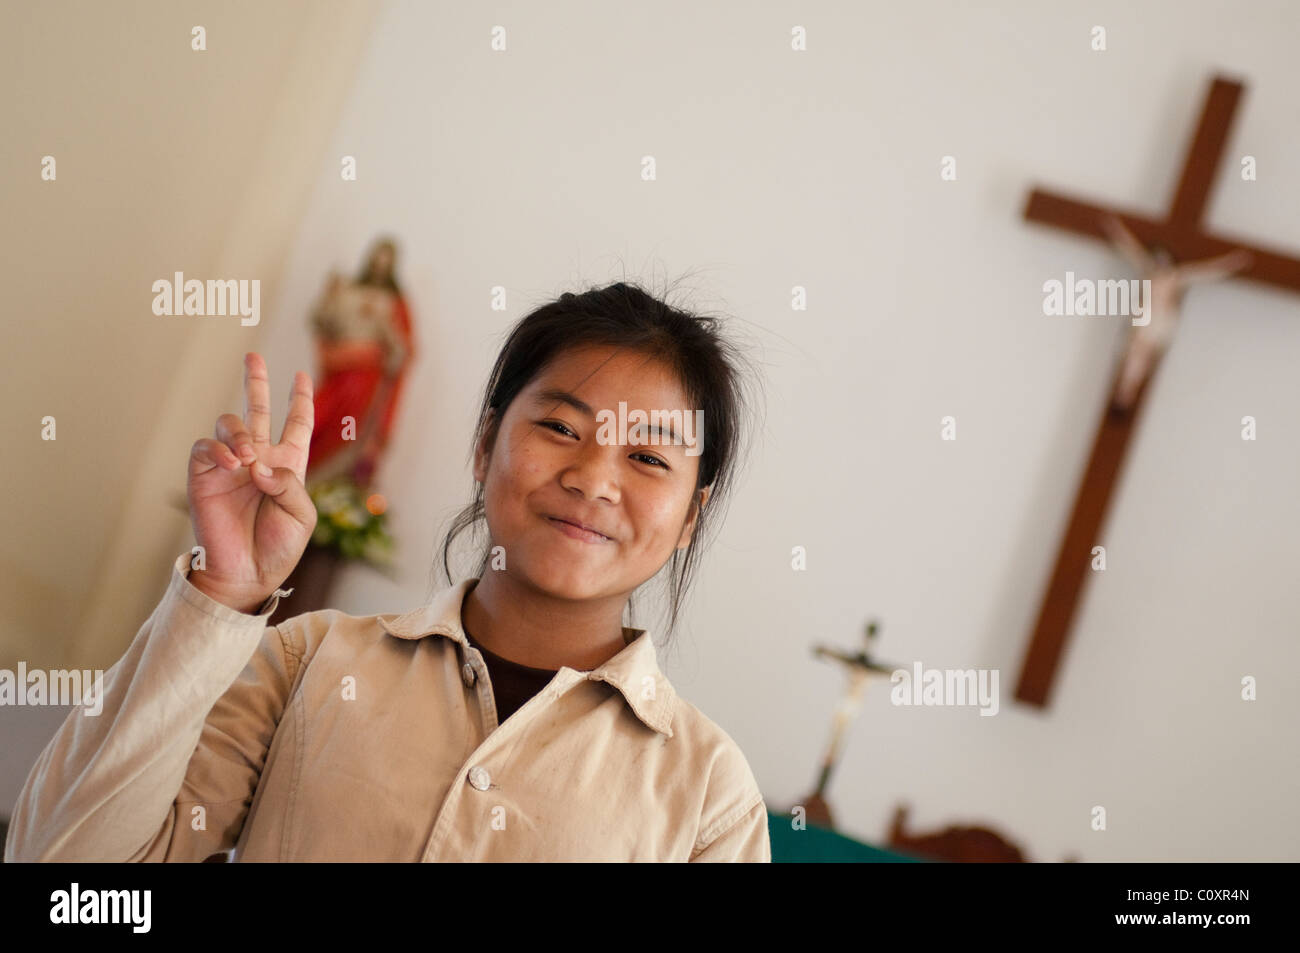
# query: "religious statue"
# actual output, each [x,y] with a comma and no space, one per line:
[858,668]
[1169,280]
[364,346]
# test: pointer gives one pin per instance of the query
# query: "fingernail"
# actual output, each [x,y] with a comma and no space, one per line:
[262,469]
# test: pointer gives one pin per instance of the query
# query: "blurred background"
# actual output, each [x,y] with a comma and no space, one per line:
[502,150]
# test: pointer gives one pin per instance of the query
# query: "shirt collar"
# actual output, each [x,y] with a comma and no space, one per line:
[634,671]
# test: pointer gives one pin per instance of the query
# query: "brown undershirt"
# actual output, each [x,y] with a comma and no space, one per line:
[512,684]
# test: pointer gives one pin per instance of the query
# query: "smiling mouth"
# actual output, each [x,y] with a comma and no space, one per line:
[577,532]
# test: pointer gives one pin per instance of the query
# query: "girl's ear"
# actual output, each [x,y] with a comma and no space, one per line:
[482,451]
[689,529]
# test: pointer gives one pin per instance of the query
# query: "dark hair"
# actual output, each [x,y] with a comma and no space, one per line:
[625,316]
[367,274]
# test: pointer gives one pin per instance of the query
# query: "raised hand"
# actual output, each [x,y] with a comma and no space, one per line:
[254,526]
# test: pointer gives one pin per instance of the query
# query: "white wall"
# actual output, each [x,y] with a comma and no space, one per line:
[820,169]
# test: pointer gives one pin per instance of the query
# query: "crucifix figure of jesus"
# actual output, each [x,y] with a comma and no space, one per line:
[1148,341]
[858,668]
[1182,251]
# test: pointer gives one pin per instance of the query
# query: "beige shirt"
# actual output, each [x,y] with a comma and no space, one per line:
[332,737]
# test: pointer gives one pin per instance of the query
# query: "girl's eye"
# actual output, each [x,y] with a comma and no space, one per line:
[555,423]
[652,460]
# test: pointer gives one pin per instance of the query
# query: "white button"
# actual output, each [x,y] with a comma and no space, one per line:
[479,778]
[467,675]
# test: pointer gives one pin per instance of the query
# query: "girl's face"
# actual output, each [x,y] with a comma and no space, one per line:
[547,465]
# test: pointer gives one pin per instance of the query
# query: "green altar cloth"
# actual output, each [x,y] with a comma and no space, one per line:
[819,845]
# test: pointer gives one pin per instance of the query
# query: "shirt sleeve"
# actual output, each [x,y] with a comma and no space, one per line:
[744,841]
[161,763]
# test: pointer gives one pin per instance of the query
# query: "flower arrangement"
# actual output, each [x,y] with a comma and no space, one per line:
[351,521]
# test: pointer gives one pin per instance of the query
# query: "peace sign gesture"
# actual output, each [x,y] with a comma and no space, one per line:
[248,503]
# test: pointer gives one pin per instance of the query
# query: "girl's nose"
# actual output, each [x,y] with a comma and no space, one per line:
[595,473]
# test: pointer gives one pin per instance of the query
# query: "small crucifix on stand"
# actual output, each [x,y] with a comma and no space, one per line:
[1182,251]
[859,668]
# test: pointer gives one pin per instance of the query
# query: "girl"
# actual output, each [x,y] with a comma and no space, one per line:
[513,718]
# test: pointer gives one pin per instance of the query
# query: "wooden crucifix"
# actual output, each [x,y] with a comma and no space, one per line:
[1183,251]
